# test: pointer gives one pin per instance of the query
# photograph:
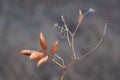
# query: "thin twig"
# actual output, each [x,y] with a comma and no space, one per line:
[67,30]
[68,39]
[65,70]
[71,63]
[96,46]
[89,11]
[73,47]
[63,63]
[73,34]
[62,76]
[57,63]
[76,28]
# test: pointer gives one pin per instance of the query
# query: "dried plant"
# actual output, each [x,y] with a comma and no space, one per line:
[42,56]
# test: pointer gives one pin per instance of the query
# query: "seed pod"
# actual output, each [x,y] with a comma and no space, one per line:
[80,17]
[42,61]
[54,48]
[43,42]
[25,52]
[35,55]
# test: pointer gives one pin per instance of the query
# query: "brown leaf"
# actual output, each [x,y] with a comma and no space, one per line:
[25,52]
[43,42]
[80,17]
[36,55]
[42,61]
[54,48]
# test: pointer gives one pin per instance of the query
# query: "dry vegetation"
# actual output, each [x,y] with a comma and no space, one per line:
[42,56]
[21,21]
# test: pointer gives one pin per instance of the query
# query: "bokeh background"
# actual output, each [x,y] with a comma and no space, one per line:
[21,21]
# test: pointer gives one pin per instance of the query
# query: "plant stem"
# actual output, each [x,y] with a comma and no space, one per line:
[96,46]
[57,63]
[65,70]
[63,63]
[73,47]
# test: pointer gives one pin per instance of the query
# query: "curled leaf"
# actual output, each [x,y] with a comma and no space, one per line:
[35,55]
[42,61]
[80,17]
[54,48]
[25,52]
[43,42]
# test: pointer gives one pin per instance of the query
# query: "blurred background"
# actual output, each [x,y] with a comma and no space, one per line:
[21,21]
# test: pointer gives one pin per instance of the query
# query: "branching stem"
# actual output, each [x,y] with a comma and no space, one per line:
[63,63]
[68,66]
[96,46]
[73,47]
[70,38]
[57,63]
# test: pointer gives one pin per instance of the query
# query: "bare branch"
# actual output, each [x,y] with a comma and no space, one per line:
[57,63]
[67,30]
[73,47]
[96,46]
[63,63]
[68,66]
[70,38]
[62,76]
[89,11]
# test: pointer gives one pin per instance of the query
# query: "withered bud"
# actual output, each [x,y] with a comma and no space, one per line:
[25,52]
[43,42]
[42,61]
[35,55]
[80,17]
[54,48]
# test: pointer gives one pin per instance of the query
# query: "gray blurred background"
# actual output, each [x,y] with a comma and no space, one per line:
[21,21]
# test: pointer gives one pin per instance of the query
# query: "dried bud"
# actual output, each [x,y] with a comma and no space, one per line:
[80,17]
[54,48]
[25,52]
[43,42]
[35,55]
[42,61]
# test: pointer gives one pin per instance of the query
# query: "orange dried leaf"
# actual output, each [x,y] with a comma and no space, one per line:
[43,42]
[35,55]
[54,48]
[25,52]
[80,17]
[42,61]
